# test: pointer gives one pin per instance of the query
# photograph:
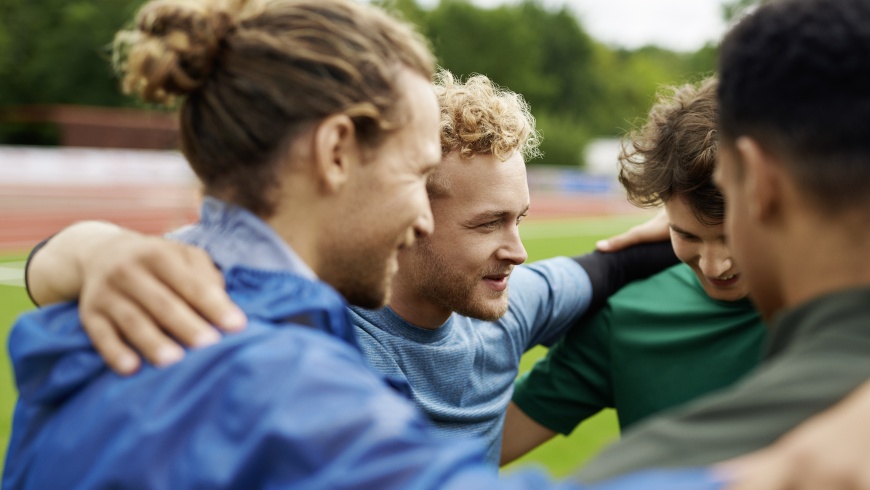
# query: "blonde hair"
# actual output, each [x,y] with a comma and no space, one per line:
[253,74]
[479,117]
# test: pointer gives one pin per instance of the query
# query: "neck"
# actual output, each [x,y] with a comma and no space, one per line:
[299,230]
[825,257]
[413,308]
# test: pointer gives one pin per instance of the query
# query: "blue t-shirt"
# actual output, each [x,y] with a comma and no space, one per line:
[462,373]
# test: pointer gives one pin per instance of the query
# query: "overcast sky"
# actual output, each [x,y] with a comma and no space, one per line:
[683,25]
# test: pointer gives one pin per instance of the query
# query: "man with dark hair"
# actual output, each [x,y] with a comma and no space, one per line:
[795,173]
[669,339]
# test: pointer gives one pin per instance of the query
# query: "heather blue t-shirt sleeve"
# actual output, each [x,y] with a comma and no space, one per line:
[546,299]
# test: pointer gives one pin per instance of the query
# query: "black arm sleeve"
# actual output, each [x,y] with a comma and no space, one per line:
[27,267]
[611,271]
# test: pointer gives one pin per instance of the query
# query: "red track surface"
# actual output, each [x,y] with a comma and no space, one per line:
[30,213]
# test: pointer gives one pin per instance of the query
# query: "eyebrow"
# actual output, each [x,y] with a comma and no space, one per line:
[681,231]
[491,215]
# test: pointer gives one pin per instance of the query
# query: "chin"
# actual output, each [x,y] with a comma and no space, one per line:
[371,295]
[486,310]
[726,294]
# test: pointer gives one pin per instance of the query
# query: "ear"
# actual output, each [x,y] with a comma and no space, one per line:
[336,151]
[762,179]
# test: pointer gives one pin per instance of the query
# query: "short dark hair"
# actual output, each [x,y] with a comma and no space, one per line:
[795,76]
[674,153]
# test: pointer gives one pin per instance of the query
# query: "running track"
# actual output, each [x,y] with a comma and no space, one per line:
[29,213]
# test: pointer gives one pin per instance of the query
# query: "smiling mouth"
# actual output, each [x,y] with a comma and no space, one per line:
[497,282]
[724,281]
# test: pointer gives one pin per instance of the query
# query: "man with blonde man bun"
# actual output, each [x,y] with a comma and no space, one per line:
[310,200]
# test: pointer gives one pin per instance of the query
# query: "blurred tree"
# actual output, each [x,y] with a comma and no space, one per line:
[56,51]
[733,9]
[578,88]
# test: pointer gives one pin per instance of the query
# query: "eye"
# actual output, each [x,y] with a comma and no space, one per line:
[687,237]
[520,218]
[491,225]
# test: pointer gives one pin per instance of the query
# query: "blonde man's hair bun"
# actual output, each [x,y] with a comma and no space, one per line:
[173,47]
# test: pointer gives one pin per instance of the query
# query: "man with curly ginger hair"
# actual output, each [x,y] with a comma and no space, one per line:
[451,330]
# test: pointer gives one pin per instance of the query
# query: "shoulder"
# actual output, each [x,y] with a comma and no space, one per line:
[544,278]
[553,268]
[667,290]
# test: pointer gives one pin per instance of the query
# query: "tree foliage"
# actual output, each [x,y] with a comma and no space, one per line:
[578,88]
[56,51]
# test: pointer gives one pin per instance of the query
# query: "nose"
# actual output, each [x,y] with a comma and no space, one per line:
[513,250]
[716,260]
[425,223]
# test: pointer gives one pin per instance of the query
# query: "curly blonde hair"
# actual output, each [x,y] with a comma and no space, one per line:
[252,74]
[479,117]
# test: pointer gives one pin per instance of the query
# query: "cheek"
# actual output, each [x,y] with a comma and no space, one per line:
[684,250]
[403,203]
[469,252]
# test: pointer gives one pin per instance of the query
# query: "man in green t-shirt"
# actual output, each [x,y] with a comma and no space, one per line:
[794,169]
[668,339]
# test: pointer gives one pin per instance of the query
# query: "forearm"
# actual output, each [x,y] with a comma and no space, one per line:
[54,271]
[521,434]
[610,271]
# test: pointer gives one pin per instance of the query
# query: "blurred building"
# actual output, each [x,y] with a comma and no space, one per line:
[99,127]
[118,165]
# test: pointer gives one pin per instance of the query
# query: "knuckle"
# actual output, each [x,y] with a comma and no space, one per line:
[127,319]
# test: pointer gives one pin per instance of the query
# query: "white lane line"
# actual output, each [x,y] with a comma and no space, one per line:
[12,273]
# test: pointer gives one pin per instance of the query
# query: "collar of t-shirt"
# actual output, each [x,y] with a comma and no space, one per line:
[838,310]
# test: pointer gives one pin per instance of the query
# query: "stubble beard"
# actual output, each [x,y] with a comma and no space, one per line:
[364,277]
[437,282]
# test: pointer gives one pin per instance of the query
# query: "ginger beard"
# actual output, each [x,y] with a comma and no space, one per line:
[435,280]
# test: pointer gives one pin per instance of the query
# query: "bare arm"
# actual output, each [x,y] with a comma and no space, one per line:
[654,230]
[829,451]
[521,434]
[135,292]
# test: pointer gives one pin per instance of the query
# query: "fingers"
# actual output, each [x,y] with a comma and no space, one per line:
[654,230]
[109,345]
[758,471]
[140,331]
[164,310]
[616,243]
[119,329]
[205,292]
[147,295]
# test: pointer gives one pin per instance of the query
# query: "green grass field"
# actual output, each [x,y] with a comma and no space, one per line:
[542,239]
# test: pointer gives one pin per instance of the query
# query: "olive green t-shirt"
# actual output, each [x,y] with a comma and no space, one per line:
[657,343]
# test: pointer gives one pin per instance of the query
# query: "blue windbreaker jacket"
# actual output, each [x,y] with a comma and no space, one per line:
[287,403]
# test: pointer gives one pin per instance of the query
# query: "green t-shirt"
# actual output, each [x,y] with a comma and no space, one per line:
[658,343]
[818,353]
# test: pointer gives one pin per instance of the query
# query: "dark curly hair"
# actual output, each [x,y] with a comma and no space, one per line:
[795,76]
[674,153]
